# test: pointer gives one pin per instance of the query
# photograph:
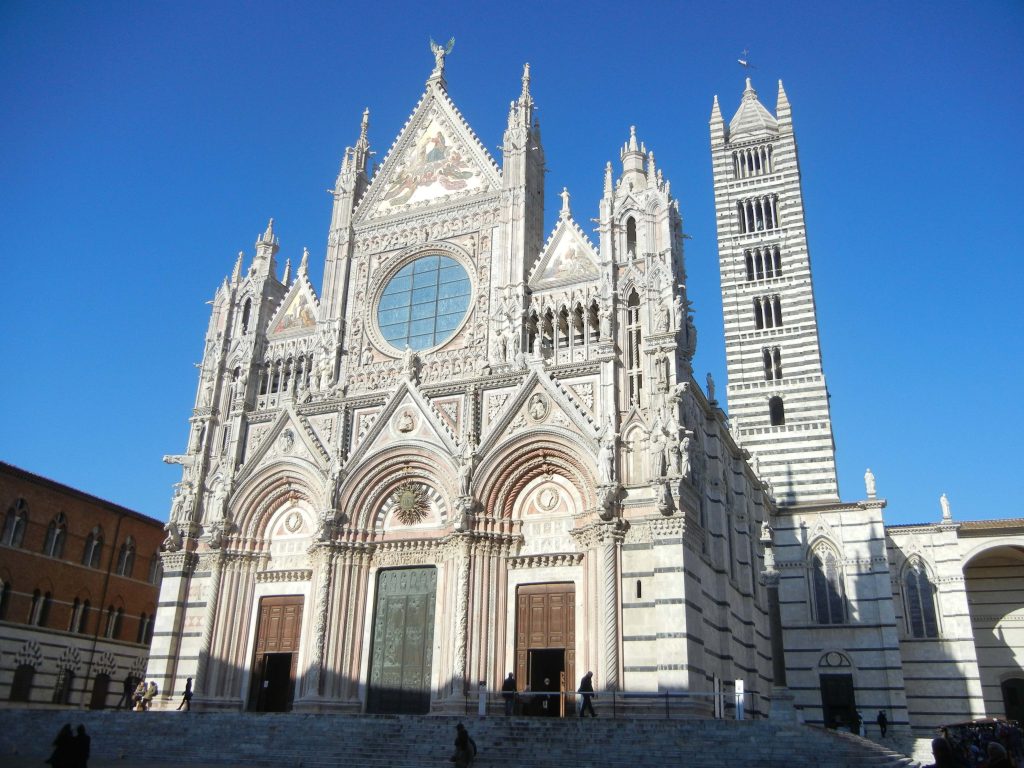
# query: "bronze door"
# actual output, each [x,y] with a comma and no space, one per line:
[276,657]
[546,620]
[403,638]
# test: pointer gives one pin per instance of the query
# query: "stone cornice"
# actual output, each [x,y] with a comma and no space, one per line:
[551,560]
[273,577]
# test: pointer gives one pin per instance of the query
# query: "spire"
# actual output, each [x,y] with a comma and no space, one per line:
[608,178]
[752,120]
[632,156]
[564,213]
[304,264]
[524,96]
[652,175]
[287,272]
[236,276]
[717,123]
[266,247]
[782,109]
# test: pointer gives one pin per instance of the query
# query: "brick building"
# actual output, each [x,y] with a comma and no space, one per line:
[78,588]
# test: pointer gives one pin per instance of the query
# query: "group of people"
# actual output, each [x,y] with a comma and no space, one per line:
[987,744]
[547,701]
[142,698]
[70,749]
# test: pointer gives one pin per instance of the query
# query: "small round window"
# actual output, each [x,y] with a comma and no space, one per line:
[424,303]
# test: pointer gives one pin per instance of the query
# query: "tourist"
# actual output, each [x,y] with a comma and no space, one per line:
[151,692]
[139,696]
[63,749]
[586,689]
[465,747]
[943,754]
[508,693]
[186,697]
[127,687]
[81,748]
[997,757]
[883,722]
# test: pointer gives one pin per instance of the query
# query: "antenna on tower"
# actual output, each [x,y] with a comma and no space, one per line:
[745,61]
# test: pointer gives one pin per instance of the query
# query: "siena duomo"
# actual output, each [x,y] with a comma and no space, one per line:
[480,447]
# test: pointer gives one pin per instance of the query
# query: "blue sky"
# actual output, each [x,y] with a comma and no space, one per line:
[145,144]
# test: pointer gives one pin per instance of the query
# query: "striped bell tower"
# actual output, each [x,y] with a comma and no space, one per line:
[777,397]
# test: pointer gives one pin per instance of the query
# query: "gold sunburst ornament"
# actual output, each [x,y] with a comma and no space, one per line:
[410,503]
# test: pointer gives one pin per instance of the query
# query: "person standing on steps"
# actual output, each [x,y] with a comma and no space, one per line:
[465,747]
[586,690]
[508,692]
[883,722]
[81,749]
[186,697]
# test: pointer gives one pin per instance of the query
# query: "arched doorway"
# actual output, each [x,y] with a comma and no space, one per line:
[994,579]
[100,687]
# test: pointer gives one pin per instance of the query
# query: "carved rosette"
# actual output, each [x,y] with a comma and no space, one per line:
[411,503]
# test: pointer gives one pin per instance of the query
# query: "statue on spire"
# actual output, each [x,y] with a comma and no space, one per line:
[440,51]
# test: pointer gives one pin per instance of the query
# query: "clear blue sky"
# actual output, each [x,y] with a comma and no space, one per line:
[146,143]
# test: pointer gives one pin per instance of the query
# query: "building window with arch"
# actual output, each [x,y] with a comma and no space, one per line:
[5,598]
[631,237]
[634,364]
[62,686]
[919,598]
[56,535]
[246,311]
[776,412]
[126,557]
[15,524]
[115,616]
[828,599]
[39,611]
[156,569]
[93,548]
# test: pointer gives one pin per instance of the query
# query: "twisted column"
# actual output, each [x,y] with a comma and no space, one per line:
[461,616]
[209,620]
[609,562]
[323,596]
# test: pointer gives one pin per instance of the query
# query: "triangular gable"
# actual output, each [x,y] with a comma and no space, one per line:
[290,437]
[568,257]
[435,159]
[543,401]
[298,311]
[407,416]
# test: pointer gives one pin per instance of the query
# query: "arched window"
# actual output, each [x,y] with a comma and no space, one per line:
[93,548]
[155,568]
[15,524]
[114,619]
[631,237]
[140,636]
[126,557]
[62,686]
[39,611]
[776,411]
[919,597]
[766,356]
[83,624]
[246,311]
[777,360]
[56,535]
[777,311]
[21,686]
[827,587]
[635,444]
[634,364]
[758,314]
[593,323]
[563,328]
[749,260]
[76,614]
[577,325]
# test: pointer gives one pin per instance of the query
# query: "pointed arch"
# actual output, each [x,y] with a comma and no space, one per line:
[56,536]
[919,599]
[827,592]
[15,524]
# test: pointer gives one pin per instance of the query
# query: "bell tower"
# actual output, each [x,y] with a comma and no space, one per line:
[778,400]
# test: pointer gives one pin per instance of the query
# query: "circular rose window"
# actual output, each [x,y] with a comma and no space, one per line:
[424,303]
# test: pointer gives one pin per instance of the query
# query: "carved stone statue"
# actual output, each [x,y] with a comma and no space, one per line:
[657,451]
[661,317]
[606,321]
[606,454]
[409,363]
[661,366]
[869,482]
[947,513]
[172,543]
[684,456]
[466,461]
[367,357]
[677,307]
[711,388]
[440,51]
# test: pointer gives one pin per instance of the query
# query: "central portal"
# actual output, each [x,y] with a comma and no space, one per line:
[403,641]
[546,644]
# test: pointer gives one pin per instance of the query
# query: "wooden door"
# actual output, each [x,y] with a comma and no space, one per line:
[278,631]
[546,618]
[401,649]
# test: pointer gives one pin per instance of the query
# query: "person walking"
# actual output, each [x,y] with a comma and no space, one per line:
[186,697]
[508,693]
[63,749]
[81,748]
[883,722]
[586,690]
[465,747]
[126,693]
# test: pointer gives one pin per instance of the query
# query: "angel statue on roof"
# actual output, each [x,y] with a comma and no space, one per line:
[440,51]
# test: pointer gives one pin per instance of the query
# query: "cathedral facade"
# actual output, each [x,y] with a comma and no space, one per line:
[478,449]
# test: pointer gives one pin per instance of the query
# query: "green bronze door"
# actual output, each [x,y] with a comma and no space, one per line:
[403,639]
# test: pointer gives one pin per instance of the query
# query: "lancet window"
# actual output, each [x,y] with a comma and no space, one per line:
[93,548]
[631,237]
[919,599]
[767,312]
[772,359]
[827,594]
[39,611]
[758,214]
[776,411]
[290,375]
[56,535]
[763,263]
[634,364]
[126,557]
[753,161]
[15,524]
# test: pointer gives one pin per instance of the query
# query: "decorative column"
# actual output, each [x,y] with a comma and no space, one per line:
[461,613]
[215,560]
[611,538]
[323,596]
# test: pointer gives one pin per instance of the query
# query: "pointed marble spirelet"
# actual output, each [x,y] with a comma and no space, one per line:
[236,275]
[304,264]
[608,179]
[717,123]
[287,272]
[783,112]
[752,119]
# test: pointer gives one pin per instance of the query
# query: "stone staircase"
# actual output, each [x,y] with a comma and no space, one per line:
[392,741]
